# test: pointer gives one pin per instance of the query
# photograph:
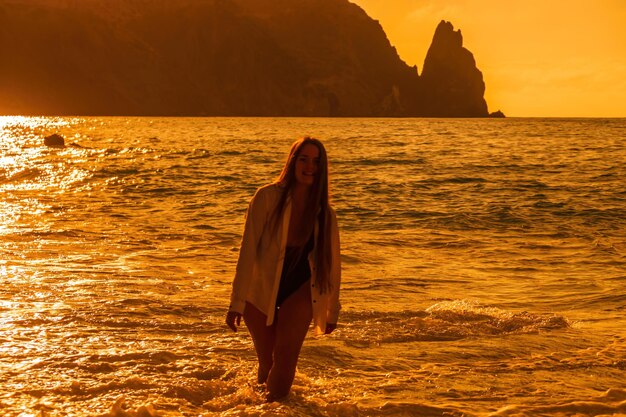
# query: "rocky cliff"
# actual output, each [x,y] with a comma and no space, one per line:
[222,57]
[452,85]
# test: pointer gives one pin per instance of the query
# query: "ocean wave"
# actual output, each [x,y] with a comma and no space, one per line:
[612,402]
[379,161]
[231,153]
[445,321]
[20,175]
[199,154]
[454,180]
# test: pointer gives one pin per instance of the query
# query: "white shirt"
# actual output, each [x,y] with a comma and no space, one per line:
[261,258]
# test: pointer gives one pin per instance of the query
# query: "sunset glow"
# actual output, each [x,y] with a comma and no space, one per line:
[303,208]
[559,58]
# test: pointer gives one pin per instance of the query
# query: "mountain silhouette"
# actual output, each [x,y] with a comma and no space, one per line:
[223,58]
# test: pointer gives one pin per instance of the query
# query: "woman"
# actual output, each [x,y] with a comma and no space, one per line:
[289,270]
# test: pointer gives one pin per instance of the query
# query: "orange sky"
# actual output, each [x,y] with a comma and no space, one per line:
[538,57]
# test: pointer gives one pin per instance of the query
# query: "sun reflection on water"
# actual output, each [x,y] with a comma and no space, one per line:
[31,122]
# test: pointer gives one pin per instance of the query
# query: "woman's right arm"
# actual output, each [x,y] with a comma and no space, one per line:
[253,229]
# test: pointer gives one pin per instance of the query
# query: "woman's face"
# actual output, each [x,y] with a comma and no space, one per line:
[307,164]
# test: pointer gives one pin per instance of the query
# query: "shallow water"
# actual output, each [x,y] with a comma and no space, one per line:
[483,267]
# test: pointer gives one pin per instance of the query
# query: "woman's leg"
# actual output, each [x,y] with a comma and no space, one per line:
[263,337]
[292,323]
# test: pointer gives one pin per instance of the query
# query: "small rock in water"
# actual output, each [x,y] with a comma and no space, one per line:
[54,140]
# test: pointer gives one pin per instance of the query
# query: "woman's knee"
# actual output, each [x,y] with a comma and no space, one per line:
[263,336]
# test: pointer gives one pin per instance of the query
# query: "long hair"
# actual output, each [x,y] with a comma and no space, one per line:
[318,207]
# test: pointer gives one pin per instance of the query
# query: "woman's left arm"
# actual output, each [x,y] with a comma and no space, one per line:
[335,275]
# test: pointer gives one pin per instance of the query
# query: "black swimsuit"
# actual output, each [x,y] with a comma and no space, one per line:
[296,271]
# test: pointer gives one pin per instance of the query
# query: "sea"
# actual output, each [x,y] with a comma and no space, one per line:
[483,267]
